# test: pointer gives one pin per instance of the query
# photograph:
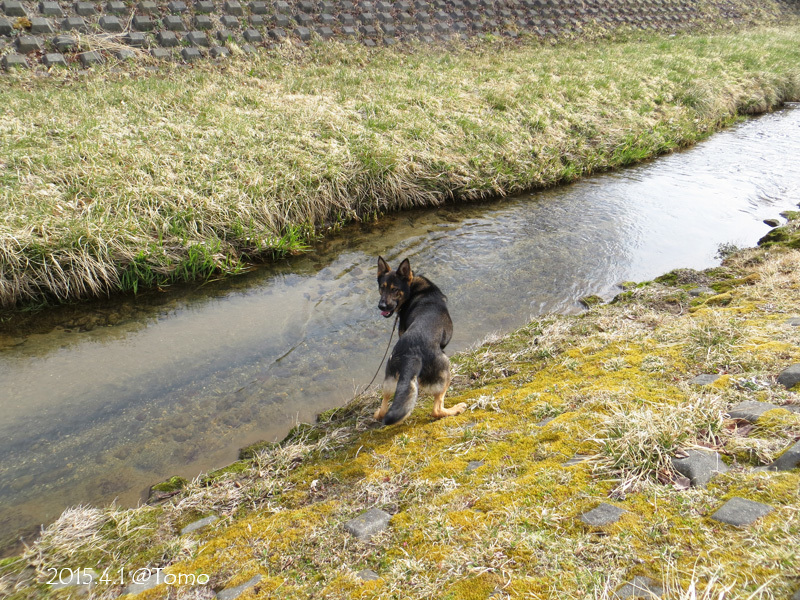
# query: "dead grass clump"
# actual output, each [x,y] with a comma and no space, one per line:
[638,443]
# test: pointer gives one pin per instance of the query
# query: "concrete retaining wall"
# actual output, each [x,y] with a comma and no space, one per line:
[84,33]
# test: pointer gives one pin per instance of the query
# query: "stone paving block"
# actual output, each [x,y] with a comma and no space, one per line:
[91,58]
[204,7]
[167,39]
[161,53]
[147,584]
[230,22]
[327,19]
[224,35]
[254,36]
[741,512]
[115,7]
[173,23]
[790,376]
[199,524]
[147,7]
[604,514]
[368,524]
[700,466]
[28,43]
[347,19]
[796,595]
[14,61]
[203,22]
[369,31]
[325,33]
[235,592]
[219,52]
[41,25]
[191,54]
[640,587]
[54,59]
[111,24]
[123,54]
[787,461]
[349,32]
[794,322]
[474,465]
[304,33]
[84,9]
[143,23]
[283,7]
[389,30]
[258,8]
[750,410]
[367,575]
[281,21]
[197,38]
[65,43]
[51,9]
[177,7]
[135,39]
[13,8]
[233,7]
[257,21]
[248,48]
[74,23]
[6,28]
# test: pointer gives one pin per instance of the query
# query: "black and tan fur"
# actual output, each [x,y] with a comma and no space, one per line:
[418,362]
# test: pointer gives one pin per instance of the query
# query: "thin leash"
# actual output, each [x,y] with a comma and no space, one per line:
[396,319]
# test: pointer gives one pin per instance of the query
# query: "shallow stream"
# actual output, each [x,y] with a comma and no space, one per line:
[100,400]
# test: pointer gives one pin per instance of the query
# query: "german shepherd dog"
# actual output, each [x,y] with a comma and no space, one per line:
[418,362]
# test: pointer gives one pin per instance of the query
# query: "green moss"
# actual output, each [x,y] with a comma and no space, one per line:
[173,484]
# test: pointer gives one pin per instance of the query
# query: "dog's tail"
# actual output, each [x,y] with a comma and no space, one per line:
[405,394]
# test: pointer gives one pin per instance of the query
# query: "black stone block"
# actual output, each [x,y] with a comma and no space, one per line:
[230,22]
[366,18]
[306,6]
[91,58]
[54,59]
[167,39]
[173,23]
[84,9]
[224,35]
[136,39]
[347,19]
[51,9]
[219,52]
[257,21]
[148,7]
[369,31]
[197,38]
[143,23]
[123,54]
[191,54]
[204,7]
[283,7]
[324,32]
[13,8]
[327,19]
[177,7]
[233,7]
[116,8]
[303,19]
[111,23]
[282,20]
[41,25]
[28,43]
[348,31]
[203,22]
[258,8]
[252,36]
[304,33]
[278,34]
[161,53]
[14,61]
[65,43]
[6,28]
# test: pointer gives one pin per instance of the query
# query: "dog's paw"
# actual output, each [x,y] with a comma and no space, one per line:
[378,416]
[459,408]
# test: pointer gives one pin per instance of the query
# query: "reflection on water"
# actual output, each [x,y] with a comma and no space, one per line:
[101,400]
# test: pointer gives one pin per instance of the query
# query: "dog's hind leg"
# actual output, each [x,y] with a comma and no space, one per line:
[381,412]
[439,410]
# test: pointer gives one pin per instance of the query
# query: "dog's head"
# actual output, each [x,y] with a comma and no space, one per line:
[394,286]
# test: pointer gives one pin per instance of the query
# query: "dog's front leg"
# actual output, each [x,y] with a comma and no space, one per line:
[381,412]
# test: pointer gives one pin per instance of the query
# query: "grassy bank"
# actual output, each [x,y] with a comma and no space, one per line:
[111,181]
[489,503]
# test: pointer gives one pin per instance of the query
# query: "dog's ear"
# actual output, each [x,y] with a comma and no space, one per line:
[404,270]
[383,267]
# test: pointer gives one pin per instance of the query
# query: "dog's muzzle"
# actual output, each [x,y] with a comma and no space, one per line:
[385,310]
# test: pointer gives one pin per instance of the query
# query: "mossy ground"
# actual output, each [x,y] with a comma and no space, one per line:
[613,382]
